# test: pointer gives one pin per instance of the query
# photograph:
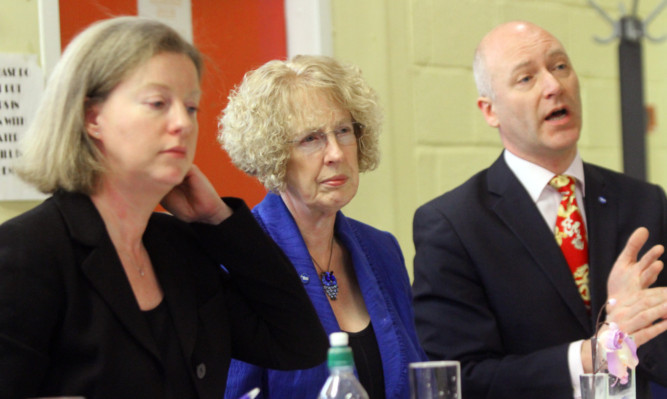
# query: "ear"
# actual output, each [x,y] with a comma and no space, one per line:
[488,110]
[92,112]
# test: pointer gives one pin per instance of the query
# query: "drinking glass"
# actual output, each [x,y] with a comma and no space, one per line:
[435,380]
[615,389]
[594,386]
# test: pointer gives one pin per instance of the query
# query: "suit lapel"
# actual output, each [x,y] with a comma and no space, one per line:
[513,205]
[601,207]
[389,341]
[103,269]
[101,265]
[275,219]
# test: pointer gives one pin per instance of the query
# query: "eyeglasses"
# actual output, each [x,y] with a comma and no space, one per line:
[315,141]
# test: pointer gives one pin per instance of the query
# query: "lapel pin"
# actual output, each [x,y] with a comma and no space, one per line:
[304,278]
[602,200]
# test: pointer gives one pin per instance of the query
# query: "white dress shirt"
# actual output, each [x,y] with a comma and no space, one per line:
[535,179]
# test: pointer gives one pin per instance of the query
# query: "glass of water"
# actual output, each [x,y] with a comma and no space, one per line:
[435,380]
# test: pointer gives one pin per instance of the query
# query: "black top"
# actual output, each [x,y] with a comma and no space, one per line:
[178,384]
[368,361]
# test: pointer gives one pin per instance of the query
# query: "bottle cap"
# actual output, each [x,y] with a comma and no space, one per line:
[339,355]
[338,339]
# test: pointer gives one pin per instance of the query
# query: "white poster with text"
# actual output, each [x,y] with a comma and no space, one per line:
[21,86]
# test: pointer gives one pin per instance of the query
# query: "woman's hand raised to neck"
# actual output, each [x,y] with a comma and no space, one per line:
[195,200]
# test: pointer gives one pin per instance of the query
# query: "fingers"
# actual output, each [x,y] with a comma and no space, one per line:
[204,203]
[645,335]
[178,200]
[198,185]
[640,311]
[636,314]
[651,256]
[630,275]
[195,172]
[633,246]
[175,203]
[650,274]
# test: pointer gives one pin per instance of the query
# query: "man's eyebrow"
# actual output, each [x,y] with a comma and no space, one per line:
[520,66]
[558,53]
[552,54]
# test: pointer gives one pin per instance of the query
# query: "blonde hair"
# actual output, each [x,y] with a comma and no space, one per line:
[57,152]
[255,127]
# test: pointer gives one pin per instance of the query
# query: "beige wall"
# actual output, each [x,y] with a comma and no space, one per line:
[19,33]
[417,54]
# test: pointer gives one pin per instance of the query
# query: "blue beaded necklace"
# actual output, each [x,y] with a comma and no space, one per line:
[329,282]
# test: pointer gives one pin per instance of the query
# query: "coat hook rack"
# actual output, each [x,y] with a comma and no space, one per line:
[630,30]
[629,26]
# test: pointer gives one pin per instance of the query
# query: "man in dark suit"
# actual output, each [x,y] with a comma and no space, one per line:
[492,288]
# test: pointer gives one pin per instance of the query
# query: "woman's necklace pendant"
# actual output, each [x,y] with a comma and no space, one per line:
[330,285]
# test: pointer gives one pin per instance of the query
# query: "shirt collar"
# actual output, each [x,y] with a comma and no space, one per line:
[535,178]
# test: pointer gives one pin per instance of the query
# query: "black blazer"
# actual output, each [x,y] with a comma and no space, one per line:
[493,290]
[70,324]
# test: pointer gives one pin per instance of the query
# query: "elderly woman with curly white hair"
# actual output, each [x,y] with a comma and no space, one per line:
[306,128]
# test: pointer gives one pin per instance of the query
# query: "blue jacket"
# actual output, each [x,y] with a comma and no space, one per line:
[385,286]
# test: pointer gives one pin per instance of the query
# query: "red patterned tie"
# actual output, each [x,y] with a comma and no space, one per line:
[570,234]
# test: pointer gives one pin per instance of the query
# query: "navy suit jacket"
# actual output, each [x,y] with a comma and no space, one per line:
[493,290]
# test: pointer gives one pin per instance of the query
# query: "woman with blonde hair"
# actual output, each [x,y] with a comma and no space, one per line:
[306,128]
[99,296]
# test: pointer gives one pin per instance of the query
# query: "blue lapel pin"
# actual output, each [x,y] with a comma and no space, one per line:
[602,200]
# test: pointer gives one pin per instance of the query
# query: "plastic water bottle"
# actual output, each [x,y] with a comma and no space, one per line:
[342,383]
